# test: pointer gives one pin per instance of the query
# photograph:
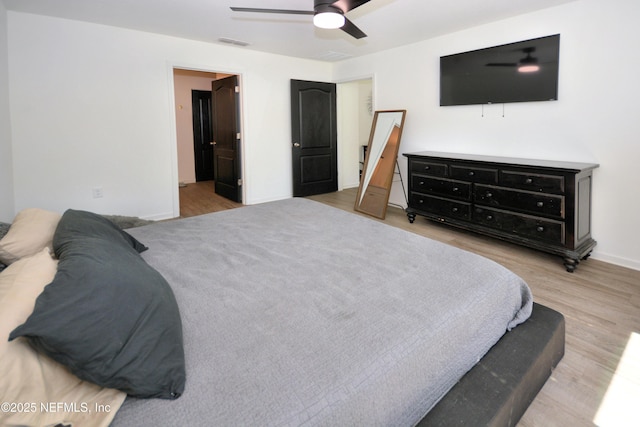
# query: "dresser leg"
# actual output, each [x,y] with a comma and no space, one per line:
[411,216]
[571,264]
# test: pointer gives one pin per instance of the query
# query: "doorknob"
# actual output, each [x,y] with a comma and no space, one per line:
[295,144]
[213,143]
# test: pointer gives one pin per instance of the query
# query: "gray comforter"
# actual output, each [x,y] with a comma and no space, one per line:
[296,313]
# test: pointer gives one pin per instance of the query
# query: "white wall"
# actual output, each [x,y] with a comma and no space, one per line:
[595,119]
[6,168]
[92,106]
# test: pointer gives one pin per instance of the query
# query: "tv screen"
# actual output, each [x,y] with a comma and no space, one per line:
[515,72]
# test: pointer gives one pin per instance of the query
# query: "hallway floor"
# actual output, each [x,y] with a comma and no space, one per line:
[199,198]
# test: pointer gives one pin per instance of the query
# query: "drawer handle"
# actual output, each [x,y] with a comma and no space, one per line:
[489,195]
[455,189]
[540,229]
[427,168]
[421,201]
[454,210]
[540,204]
[471,173]
[528,181]
[421,182]
[489,217]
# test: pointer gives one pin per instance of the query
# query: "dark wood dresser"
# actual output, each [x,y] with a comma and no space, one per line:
[541,204]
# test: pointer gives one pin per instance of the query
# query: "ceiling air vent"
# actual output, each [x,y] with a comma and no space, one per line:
[233,42]
[333,56]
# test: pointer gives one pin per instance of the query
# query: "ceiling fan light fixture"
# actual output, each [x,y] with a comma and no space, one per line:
[330,20]
[328,17]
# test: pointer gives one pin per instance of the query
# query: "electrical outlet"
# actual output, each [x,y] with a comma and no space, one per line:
[97,192]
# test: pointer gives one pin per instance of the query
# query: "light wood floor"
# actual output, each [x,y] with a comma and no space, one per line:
[200,197]
[601,305]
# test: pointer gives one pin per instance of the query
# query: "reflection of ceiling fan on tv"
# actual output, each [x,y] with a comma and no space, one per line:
[528,64]
[326,14]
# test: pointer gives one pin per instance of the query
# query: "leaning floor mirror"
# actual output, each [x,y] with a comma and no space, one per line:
[380,163]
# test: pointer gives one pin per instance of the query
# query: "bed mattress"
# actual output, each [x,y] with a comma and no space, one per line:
[297,313]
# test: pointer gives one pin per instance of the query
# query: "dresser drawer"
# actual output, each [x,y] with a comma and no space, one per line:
[441,187]
[525,201]
[474,174]
[532,181]
[439,206]
[544,230]
[430,168]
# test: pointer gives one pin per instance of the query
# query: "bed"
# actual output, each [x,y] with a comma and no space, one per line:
[296,313]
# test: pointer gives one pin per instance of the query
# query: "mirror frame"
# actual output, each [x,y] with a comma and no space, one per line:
[377,176]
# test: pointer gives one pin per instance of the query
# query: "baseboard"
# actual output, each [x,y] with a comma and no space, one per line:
[159,217]
[612,259]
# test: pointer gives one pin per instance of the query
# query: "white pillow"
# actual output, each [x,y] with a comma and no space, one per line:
[29,378]
[31,231]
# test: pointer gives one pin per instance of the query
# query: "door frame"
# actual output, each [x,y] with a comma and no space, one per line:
[173,149]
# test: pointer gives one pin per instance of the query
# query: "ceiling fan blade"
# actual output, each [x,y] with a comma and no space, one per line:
[347,5]
[283,11]
[351,29]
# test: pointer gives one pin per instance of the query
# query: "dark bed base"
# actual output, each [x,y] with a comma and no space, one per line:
[500,388]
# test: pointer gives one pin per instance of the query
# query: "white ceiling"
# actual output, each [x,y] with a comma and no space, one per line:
[388,23]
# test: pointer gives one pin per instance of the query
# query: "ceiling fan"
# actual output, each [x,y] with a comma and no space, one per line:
[326,14]
[528,64]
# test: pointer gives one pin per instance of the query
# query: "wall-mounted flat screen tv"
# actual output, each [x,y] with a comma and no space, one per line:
[515,72]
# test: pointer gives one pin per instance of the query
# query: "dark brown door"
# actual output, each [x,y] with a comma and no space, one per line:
[226,138]
[314,145]
[202,134]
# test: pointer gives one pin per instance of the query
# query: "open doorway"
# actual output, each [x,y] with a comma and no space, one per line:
[355,116]
[194,136]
